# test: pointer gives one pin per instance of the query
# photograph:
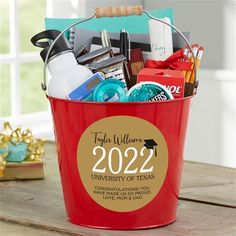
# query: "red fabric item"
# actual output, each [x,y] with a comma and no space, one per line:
[172,62]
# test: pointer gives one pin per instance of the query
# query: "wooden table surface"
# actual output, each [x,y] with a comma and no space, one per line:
[207,205]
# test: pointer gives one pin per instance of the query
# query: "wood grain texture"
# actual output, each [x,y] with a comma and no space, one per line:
[118,11]
[11,229]
[209,183]
[39,204]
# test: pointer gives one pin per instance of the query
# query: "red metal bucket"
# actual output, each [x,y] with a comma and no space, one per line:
[113,175]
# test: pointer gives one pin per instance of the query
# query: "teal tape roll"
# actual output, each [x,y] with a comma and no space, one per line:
[148,91]
[111,90]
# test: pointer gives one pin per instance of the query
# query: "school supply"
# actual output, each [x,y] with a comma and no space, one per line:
[173,80]
[148,91]
[63,67]
[185,58]
[115,67]
[115,43]
[84,90]
[125,44]
[190,58]
[160,39]
[198,62]
[92,40]
[105,39]
[111,90]
[95,56]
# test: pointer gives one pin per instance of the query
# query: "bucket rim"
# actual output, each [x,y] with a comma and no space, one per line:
[119,103]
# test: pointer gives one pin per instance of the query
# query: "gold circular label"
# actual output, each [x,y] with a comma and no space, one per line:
[122,161]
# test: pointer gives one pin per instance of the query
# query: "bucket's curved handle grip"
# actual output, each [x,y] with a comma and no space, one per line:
[119,11]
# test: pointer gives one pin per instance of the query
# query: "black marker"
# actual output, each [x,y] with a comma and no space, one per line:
[125,44]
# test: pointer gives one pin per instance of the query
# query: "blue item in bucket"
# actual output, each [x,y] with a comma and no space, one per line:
[85,89]
[111,90]
[148,91]
[17,152]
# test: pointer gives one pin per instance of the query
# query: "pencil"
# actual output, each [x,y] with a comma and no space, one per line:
[195,48]
[198,62]
[185,58]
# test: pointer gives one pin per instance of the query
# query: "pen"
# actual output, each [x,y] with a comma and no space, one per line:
[125,44]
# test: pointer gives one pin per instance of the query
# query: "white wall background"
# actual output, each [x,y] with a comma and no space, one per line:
[212,130]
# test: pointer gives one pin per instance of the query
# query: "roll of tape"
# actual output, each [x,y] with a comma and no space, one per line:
[111,90]
[148,91]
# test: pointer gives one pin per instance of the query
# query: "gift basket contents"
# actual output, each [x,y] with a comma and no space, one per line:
[20,154]
[120,100]
[120,69]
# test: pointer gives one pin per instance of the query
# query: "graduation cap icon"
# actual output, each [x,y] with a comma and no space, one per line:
[151,144]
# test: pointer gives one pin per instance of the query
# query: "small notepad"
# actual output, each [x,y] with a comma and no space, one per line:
[160,39]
